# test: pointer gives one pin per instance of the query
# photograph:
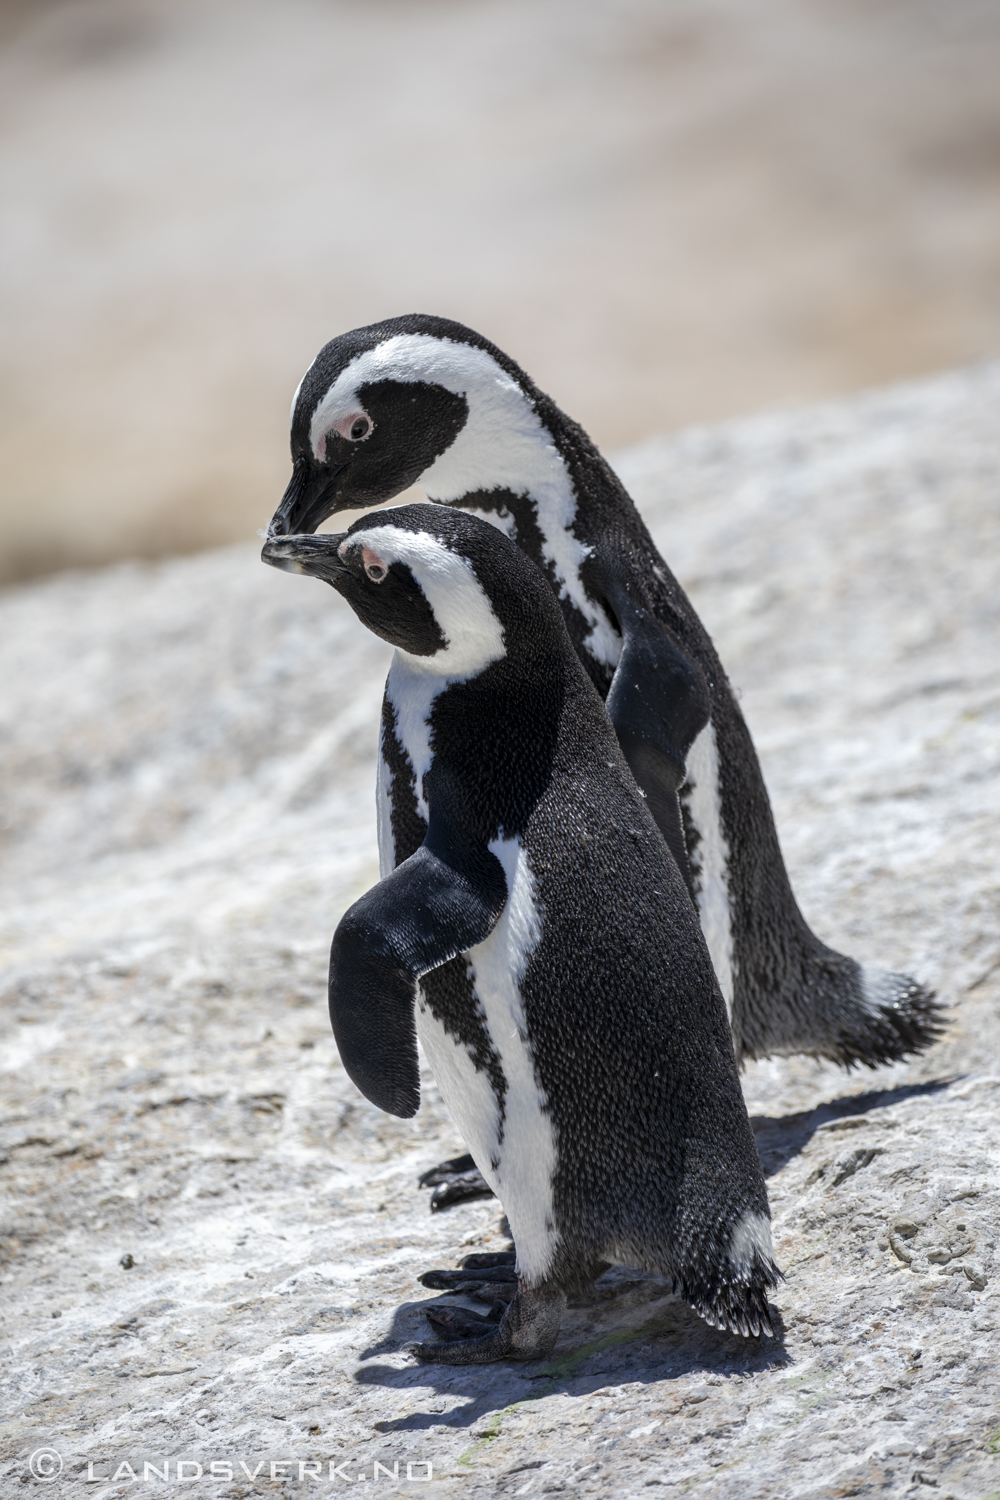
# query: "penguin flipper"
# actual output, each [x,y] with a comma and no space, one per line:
[427,911]
[658,704]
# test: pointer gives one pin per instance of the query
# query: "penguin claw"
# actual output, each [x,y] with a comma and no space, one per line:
[454,1323]
[457,1180]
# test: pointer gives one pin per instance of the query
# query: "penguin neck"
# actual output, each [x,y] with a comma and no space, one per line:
[508,466]
[504,445]
[474,641]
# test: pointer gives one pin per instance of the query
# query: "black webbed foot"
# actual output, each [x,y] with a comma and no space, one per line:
[452,1323]
[457,1180]
[488,1284]
[528,1330]
[484,1262]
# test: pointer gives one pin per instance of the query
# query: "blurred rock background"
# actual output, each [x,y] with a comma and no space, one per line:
[669,211]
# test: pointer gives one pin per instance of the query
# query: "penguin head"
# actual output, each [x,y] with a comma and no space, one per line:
[444,587]
[413,399]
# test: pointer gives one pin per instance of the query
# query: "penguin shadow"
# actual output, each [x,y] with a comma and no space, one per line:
[781,1137]
[628,1327]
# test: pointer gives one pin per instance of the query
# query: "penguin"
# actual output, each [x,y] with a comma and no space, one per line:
[422,399]
[532,928]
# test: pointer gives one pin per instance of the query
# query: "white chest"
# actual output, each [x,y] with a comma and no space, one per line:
[412,695]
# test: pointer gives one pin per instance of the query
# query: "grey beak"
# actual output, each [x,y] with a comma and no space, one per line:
[310,497]
[315,555]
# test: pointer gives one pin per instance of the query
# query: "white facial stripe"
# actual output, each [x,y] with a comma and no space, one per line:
[711,858]
[454,593]
[503,445]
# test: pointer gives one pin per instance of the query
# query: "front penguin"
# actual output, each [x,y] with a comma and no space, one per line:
[533,929]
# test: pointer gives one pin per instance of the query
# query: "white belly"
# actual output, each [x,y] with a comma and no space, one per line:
[515,1152]
[710,862]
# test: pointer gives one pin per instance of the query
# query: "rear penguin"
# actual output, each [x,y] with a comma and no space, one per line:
[421,399]
[533,930]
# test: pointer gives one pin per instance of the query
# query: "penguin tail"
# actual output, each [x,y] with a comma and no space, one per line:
[893,1017]
[738,1306]
[732,1293]
[827,1005]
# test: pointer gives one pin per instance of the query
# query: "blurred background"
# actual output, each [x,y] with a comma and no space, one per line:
[669,211]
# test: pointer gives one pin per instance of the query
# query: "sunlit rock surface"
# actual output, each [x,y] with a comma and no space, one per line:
[188,754]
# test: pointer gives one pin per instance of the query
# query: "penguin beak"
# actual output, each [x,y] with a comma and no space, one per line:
[311,496]
[316,555]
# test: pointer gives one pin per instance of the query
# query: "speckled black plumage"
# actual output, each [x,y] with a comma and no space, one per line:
[656,1162]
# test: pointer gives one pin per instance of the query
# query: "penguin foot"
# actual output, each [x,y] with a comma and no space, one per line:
[452,1323]
[528,1330]
[457,1180]
[488,1278]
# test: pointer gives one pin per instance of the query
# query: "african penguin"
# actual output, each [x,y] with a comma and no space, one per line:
[533,929]
[420,398]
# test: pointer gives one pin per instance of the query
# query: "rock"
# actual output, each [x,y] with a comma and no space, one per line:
[187,754]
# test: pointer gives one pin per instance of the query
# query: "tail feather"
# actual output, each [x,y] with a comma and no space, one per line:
[903,1018]
[737,1304]
[831,1007]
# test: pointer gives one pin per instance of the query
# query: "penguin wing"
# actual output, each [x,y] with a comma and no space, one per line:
[658,704]
[432,907]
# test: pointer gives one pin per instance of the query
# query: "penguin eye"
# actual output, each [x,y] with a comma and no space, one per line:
[353,427]
[375,568]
